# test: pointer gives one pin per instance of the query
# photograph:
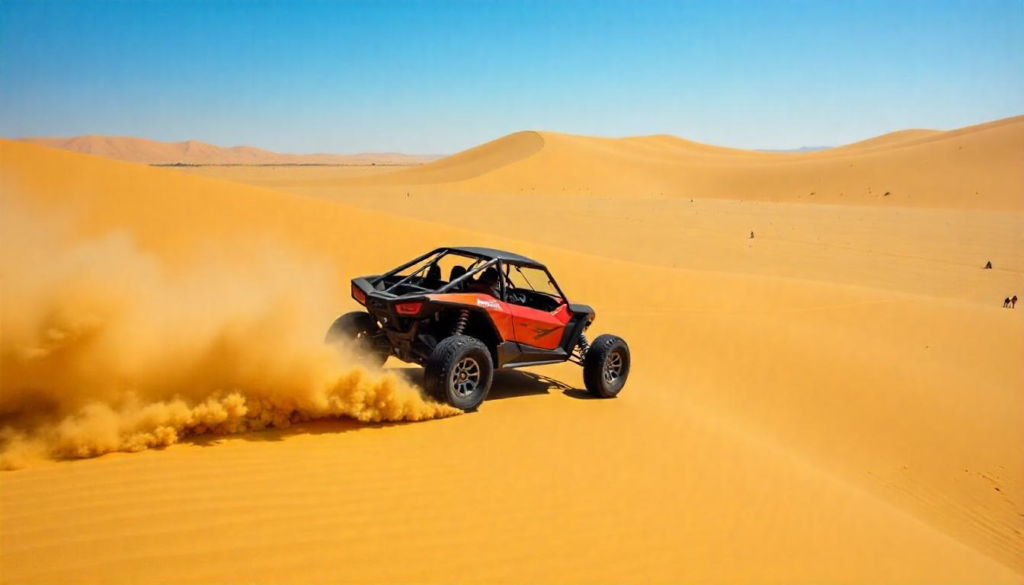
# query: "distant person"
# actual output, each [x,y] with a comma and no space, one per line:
[751,235]
[1013,302]
[988,265]
[1006,302]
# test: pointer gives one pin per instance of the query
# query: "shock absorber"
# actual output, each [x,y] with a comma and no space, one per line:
[583,344]
[460,323]
[579,353]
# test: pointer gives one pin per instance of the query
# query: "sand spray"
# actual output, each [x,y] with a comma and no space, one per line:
[104,347]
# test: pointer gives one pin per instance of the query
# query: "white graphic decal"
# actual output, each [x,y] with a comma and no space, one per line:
[488,304]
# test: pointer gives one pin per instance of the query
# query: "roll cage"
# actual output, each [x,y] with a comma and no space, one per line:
[504,262]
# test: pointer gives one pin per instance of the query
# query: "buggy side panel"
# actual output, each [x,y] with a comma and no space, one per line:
[536,328]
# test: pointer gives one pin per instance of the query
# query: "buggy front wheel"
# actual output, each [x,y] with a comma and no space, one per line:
[606,366]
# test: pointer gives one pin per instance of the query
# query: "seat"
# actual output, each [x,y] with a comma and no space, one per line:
[434,272]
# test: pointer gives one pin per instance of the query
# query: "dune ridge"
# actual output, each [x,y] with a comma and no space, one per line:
[476,161]
[888,140]
[976,167]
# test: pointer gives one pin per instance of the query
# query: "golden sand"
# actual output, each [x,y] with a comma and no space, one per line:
[836,399]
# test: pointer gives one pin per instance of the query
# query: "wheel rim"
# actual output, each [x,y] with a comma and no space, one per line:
[465,377]
[613,368]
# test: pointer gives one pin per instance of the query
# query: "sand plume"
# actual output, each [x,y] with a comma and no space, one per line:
[105,349]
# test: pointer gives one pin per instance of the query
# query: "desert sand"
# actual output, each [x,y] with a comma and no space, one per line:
[836,399]
[194,152]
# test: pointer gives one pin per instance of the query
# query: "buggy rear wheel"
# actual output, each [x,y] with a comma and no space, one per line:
[606,366]
[358,330]
[459,372]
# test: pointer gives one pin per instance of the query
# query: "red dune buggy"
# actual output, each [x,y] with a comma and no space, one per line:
[462,312]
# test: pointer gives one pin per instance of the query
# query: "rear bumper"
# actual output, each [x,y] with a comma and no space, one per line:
[402,332]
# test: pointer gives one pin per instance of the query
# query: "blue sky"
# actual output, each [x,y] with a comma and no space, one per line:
[437,77]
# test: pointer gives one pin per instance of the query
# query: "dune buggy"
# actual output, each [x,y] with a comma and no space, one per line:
[462,312]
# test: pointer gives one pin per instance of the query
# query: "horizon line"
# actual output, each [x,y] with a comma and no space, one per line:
[802,148]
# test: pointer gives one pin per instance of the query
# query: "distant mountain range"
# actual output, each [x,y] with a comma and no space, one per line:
[193,152]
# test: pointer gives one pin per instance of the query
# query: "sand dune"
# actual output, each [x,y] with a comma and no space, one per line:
[840,403]
[193,152]
[970,168]
[888,140]
[479,160]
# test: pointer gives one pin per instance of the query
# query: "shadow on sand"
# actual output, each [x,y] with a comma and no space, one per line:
[508,384]
[516,383]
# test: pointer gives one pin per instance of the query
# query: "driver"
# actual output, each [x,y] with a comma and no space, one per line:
[486,284]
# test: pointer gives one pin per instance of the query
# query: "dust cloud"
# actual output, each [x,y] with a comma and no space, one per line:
[104,347]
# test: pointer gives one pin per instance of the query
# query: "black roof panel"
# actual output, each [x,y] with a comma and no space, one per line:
[492,253]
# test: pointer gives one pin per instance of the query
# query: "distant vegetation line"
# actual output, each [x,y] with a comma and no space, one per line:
[797,150]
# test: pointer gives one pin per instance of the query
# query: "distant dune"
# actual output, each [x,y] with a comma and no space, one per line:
[193,152]
[890,139]
[977,167]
